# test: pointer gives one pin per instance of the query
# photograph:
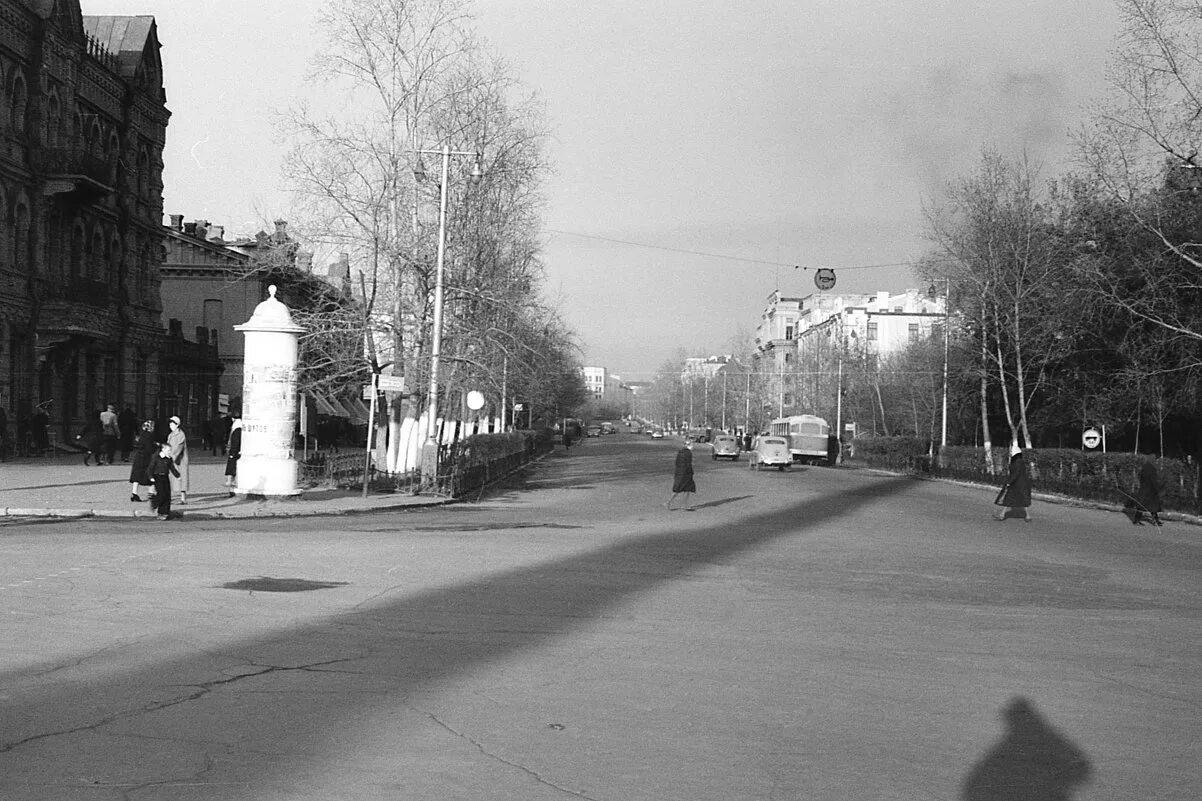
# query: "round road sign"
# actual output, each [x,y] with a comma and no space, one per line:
[1091,438]
[475,400]
[824,279]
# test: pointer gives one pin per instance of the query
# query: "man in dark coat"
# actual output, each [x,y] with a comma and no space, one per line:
[1148,494]
[682,479]
[127,421]
[1016,494]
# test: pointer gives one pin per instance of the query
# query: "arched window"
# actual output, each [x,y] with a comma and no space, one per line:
[115,256]
[53,120]
[143,173]
[96,256]
[95,139]
[21,237]
[5,227]
[77,254]
[112,156]
[142,269]
[17,106]
[54,244]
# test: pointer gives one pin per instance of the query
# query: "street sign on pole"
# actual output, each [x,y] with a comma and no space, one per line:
[824,279]
[391,383]
[1091,438]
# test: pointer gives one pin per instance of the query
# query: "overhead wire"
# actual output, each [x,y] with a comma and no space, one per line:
[726,256]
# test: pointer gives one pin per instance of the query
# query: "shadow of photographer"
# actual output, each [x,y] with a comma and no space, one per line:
[1032,762]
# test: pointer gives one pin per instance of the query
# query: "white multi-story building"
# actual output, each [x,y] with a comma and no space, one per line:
[606,387]
[796,335]
[594,380]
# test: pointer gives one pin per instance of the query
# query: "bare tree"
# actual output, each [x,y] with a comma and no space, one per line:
[1005,261]
[412,77]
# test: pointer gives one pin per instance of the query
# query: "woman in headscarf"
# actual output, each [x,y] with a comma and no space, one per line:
[1015,495]
[178,441]
[1148,494]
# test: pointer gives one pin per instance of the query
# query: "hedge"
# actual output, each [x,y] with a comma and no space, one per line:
[1092,476]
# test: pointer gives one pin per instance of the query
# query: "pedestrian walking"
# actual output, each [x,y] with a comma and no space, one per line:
[1015,494]
[233,450]
[143,450]
[127,421]
[161,472]
[111,431]
[682,479]
[1148,494]
[178,440]
[91,439]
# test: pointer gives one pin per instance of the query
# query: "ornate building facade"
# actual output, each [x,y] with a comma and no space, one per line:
[83,121]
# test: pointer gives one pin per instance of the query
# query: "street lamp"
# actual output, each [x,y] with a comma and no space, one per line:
[430,448]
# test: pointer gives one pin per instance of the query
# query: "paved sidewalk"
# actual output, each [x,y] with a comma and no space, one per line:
[61,486]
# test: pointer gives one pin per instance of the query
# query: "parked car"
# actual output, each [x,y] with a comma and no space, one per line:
[593,431]
[608,428]
[724,446]
[657,433]
[770,452]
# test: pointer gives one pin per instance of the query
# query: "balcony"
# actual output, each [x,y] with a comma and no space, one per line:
[88,291]
[67,171]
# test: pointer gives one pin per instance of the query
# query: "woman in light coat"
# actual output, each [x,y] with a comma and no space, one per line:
[178,441]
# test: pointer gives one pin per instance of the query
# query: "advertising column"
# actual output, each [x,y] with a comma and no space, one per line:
[267,467]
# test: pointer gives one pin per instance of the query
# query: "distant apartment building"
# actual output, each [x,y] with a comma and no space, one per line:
[606,387]
[798,339]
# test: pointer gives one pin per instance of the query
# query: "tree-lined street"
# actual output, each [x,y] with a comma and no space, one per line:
[819,633]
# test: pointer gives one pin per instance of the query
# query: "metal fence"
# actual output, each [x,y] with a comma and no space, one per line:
[463,467]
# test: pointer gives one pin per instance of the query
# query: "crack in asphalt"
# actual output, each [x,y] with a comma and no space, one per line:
[203,689]
[538,777]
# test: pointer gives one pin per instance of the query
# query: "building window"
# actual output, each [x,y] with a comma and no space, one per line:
[913,332]
[17,107]
[21,238]
[872,332]
[77,252]
[53,121]
[788,332]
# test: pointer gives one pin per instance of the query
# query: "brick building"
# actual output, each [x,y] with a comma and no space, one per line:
[83,121]
[210,285]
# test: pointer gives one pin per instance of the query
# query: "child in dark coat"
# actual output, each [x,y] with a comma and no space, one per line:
[162,467]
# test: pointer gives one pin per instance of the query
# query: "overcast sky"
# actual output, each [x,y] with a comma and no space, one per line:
[697,143]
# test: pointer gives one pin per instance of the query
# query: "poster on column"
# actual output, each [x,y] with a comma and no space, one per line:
[269,411]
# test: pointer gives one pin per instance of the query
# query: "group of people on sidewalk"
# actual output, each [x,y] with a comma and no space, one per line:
[157,462]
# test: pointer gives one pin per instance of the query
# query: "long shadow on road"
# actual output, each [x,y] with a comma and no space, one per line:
[403,646]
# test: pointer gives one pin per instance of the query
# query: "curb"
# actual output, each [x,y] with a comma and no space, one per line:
[142,514]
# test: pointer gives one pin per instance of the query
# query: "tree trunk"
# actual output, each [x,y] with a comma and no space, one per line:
[986,441]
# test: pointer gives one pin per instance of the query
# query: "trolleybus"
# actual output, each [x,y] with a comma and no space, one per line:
[808,437]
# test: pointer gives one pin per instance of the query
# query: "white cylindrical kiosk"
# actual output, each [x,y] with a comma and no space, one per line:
[267,467]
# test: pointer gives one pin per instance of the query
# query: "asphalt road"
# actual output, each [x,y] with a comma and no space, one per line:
[818,634]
